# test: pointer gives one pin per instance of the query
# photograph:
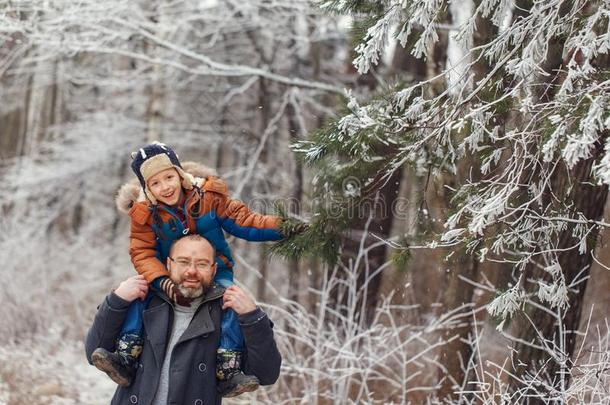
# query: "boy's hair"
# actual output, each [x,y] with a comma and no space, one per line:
[192,237]
[155,158]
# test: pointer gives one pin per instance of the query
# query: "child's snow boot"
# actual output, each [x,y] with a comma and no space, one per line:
[231,380]
[121,364]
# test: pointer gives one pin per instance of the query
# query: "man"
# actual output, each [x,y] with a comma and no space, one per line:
[178,360]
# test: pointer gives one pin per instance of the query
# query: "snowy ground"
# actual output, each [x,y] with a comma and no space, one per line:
[43,373]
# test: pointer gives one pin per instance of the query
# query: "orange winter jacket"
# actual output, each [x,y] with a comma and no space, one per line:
[209,211]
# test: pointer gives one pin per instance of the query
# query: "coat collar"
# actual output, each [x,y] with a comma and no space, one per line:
[157,321]
[213,293]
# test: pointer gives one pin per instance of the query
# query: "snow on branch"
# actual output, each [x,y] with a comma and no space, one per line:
[537,112]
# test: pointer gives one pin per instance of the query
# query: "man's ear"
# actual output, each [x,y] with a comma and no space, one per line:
[167,263]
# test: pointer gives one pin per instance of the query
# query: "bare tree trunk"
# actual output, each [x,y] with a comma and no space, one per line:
[457,353]
[264,104]
[377,208]
[456,293]
[295,203]
[261,285]
[14,129]
[596,302]
[295,133]
[567,185]
[13,122]
[590,200]
[378,211]
[28,123]
[154,109]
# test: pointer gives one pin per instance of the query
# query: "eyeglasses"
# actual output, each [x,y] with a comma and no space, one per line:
[184,264]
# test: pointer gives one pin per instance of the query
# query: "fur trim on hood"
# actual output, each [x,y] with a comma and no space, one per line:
[131,191]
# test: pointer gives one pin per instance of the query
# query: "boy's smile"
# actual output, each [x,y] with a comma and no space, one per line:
[166,187]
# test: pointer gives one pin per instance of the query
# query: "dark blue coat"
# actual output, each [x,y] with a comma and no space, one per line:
[193,361]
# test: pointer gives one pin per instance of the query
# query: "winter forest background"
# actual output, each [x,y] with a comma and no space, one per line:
[453,158]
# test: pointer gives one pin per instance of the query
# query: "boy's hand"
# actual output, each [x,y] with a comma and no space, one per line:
[293,227]
[133,288]
[237,299]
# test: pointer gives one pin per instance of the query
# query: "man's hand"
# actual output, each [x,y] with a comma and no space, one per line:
[237,299]
[132,288]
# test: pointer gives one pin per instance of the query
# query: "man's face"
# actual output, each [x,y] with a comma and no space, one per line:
[166,187]
[192,266]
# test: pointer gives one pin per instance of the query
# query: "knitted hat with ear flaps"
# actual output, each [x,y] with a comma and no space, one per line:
[155,158]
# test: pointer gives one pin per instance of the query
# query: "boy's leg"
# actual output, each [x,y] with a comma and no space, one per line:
[231,380]
[121,364]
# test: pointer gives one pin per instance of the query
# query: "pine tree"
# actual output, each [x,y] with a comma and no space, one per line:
[529,119]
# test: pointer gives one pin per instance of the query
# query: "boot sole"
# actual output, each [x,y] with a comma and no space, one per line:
[239,389]
[102,362]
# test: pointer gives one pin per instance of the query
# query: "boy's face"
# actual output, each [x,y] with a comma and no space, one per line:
[166,187]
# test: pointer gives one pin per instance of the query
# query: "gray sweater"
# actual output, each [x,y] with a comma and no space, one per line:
[182,319]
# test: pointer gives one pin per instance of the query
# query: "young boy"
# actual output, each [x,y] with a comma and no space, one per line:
[171,203]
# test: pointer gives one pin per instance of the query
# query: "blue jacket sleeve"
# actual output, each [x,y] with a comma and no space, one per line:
[235,218]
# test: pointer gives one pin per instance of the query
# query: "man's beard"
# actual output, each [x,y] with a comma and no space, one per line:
[193,293]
